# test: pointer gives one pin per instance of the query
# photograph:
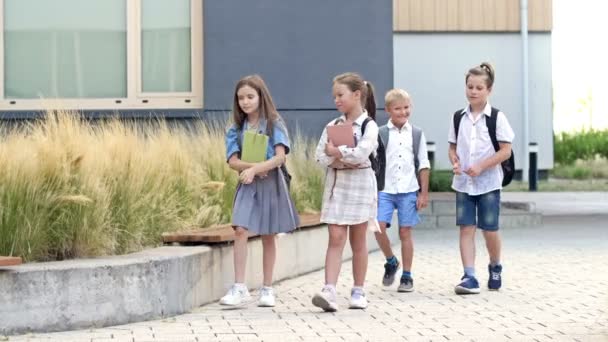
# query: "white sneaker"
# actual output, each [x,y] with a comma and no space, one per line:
[266,297]
[236,295]
[326,299]
[357,299]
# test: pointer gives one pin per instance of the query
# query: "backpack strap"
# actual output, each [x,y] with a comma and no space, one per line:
[239,139]
[457,118]
[416,136]
[491,123]
[383,135]
[364,124]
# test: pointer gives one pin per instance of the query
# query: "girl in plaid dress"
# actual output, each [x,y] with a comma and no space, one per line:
[350,195]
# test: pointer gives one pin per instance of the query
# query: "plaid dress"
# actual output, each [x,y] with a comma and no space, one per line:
[350,195]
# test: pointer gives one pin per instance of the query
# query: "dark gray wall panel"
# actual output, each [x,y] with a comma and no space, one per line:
[297,47]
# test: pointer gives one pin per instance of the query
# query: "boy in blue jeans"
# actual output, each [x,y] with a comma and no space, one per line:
[402,185]
[478,176]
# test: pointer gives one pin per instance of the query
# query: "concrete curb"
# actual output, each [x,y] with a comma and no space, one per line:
[166,281]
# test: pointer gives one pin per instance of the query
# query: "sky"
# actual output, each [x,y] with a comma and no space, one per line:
[580,64]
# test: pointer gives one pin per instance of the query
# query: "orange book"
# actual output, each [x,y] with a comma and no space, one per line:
[341,135]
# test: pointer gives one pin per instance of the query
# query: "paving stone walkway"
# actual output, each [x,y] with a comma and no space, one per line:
[555,289]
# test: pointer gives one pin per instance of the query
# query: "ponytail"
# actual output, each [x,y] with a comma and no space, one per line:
[355,82]
[370,101]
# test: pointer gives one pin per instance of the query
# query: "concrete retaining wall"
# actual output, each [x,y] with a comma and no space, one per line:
[165,281]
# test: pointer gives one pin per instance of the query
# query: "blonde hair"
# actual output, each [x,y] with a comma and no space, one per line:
[395,95]
[355,82]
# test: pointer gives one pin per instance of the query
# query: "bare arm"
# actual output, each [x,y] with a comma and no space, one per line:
[423,197]
[262,168]
[272,163]
[360,153]
[237,164]
[320,155]
[454,159]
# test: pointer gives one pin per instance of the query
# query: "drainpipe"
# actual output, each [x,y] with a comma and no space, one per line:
[526,121]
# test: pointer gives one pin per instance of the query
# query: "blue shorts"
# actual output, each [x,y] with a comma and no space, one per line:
[405,205]
[480,210]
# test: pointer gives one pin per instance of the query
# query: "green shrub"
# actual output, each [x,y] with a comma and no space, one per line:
[440,181]
[585,145]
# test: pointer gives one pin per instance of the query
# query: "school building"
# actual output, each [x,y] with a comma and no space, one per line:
[181,58]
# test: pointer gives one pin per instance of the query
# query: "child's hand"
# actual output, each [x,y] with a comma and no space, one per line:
[332,151]
[456,165]
[247,176]
[474,170]
[456,168]
[422,201]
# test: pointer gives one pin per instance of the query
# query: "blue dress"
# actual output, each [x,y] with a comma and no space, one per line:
[263,207]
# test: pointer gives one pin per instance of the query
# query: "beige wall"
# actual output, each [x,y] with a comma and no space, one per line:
[455,15]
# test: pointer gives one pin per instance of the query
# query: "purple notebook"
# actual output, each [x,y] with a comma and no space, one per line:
[341,135]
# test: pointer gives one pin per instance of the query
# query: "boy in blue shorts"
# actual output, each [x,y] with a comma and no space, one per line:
[403,184]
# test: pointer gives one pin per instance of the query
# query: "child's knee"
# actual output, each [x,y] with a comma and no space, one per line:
[405,234]
[240,232]
[337,239]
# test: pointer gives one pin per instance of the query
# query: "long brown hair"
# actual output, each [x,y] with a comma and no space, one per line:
[266,108]
[355,82]
[484,69]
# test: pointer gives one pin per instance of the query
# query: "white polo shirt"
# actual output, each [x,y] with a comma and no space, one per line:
[400,176]
[474,145]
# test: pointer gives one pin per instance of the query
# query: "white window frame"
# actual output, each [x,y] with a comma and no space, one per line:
[136,98]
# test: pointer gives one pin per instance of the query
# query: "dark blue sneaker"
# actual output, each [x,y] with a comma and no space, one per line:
[495,279]
[468,285]
[389,273]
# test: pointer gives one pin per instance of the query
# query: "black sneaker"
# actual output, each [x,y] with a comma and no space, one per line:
[389,273]
[406,285]
[495,279]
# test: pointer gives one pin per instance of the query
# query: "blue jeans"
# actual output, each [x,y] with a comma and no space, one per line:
[405,204]
[480,210]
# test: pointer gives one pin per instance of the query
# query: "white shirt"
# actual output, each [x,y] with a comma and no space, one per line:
[474,145]
[400,176]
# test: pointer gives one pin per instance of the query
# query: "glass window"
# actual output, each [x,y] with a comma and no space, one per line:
[166,46]
[65,48]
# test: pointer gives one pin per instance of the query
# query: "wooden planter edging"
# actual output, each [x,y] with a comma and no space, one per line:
[10,261]
[224,233]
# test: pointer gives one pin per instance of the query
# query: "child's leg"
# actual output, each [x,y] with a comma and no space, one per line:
[489,211]
[383,242]
[240,254]
[358,244]
[269,254]
[467,246]
[407,247]
[408,217]
[466,218]
[333,257]
[493,244]
[386,208]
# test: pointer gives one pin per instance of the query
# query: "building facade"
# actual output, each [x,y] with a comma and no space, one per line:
[180,59]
